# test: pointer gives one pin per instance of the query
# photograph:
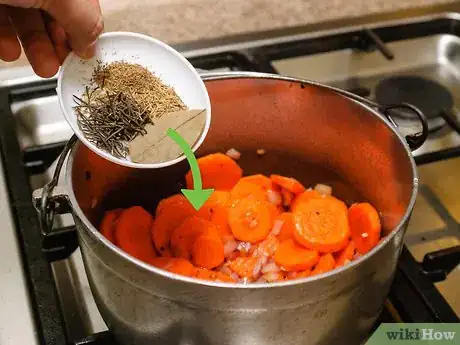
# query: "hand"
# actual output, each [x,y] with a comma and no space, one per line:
[48,30]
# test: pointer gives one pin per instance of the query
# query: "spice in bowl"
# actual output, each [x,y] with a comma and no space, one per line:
[126,111]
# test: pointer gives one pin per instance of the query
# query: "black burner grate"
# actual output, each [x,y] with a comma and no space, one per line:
[413,295]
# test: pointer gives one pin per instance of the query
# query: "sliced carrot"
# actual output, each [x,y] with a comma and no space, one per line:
[175,265]
[244,266]
[170,217]
[107,226]
[288,228]
[287,196]
[244,189]
[220,220]
[322,224]
[326,263]
[250,219]
[208,251]
[205,274]
[183,237]
[132,233]
[304,197]
[303,274]
[365,226]
[217,199]
[218,171]
[289,183]
[176,200]
[258,179]
[345,255]
[292,257]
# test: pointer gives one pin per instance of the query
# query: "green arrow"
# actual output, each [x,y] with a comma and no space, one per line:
[197,196]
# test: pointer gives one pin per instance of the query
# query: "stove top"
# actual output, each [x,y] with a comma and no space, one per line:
[43,278]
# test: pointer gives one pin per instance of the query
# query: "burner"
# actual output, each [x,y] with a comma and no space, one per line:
[433,99]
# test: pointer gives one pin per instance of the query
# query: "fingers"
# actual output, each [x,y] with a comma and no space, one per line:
[81,20]
[36,43]
[58,38]
[10,49]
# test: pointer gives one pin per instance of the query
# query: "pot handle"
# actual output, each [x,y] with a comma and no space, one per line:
[415,140]
[48,203]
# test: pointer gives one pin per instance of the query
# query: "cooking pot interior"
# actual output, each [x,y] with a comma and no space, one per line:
[307,132]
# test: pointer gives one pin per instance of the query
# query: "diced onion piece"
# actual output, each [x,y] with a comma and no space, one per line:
[229,247]
[272,276]
[244,247]
[261,152]
[261,280]
[234,154]
[270,267]
[364,235]
[277,225]
[323,189]
[274,197]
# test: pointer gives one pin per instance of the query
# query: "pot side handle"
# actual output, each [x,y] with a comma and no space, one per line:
[52,199]
[415,140]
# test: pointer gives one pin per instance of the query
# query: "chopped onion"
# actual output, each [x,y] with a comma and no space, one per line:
[244,247]
[270,267]
[277,225]
[229,247]
[364,235]
[261,152]
[257,268]
[274,197]
[323,189]
[272,276]
[234,154]
[261,280]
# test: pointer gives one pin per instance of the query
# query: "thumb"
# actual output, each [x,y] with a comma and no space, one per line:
[80,19]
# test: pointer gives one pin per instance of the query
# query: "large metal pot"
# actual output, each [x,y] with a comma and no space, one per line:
[310,131]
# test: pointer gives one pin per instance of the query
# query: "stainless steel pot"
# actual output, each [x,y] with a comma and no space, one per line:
[313,132]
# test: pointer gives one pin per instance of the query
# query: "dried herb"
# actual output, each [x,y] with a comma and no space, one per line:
[148,90]
[127,110]
[110,120]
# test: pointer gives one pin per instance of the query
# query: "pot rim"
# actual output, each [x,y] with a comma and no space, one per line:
[97,236]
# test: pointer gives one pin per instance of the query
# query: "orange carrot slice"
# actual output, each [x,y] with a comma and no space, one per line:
[365,226]
[168,219]
[244,266]
[218,171]
[175,265]
[292,257]
[258,179]
[303,274]
[322,224]
[288,228]
[205,274]
[326,263]
[132,233]
[208,251]
[289,183]
[176,200]
[287,197]
[244,189]
[217,199]
[304,197]
[220,220]
[107,226]
[183,237]
[250,219]
[344,256]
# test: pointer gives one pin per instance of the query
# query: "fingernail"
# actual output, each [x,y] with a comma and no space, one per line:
[88,53]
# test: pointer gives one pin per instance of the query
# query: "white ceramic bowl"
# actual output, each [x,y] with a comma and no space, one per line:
[167,64]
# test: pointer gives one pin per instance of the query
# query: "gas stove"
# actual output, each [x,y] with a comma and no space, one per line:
[44,291]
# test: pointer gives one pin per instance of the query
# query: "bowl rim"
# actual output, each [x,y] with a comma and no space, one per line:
[100,239]
[124,162]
